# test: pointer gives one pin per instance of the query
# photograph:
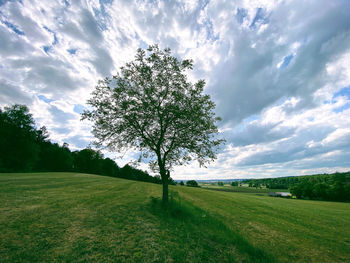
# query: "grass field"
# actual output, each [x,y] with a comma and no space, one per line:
[240,189]
[67,217]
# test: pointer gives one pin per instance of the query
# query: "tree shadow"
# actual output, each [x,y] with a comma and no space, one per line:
[214,241]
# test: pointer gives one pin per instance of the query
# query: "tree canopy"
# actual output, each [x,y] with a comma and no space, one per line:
[151,106]
[17,139]
[192,183]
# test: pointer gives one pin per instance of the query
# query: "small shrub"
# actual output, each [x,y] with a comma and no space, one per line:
[192,183]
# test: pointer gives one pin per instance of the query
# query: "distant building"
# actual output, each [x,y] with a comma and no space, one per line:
[280,194]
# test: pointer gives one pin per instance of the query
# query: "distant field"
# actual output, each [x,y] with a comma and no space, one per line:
[240,189]
[67,217]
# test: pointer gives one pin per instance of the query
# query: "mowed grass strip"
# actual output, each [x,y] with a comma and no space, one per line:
[68,217]
[240,189]
[291,230]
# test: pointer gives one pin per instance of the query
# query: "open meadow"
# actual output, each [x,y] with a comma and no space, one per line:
[240,189]
[70,217]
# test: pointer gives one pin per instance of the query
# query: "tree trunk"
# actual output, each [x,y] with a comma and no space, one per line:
[164,175]
[165,190]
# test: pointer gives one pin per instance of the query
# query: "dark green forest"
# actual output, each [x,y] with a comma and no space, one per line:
[330,187]
[26,148]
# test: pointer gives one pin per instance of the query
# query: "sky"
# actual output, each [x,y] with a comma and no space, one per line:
[278,71]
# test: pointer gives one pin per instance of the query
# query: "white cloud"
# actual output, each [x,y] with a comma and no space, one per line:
[276,71]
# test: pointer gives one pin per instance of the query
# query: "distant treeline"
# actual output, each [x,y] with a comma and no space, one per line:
[331,187]
[24,148]
[274,183]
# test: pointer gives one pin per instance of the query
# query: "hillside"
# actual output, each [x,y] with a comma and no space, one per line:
[87,218]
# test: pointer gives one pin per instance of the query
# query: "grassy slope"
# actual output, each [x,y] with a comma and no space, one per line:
[81,218]
[291,230]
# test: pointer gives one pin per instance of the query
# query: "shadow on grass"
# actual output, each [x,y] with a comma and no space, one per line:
[175,210]
[215,238]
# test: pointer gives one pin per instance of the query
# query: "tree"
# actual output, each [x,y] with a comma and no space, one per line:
[18,148]
[152,107]
[192,183]
[88,161]
[109,167]
[54,158]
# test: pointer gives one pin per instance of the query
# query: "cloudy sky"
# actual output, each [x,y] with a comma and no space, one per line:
[279,72]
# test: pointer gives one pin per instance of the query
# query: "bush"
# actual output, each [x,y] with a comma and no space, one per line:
[192,183]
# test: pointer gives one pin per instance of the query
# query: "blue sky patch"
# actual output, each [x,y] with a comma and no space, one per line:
[210,31]
[287,60]
[55,40]
[244,123]
[102,14]
[66,3]
[251,118]
[13,28]
[106,1]
[78,141]
[260,16]
[61,130]
[72,51]
[142,43]
[344,92]
[43,98]
[78,108]
[46,49]
[47,29]
[342,108]
[241,14]
[60,116]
